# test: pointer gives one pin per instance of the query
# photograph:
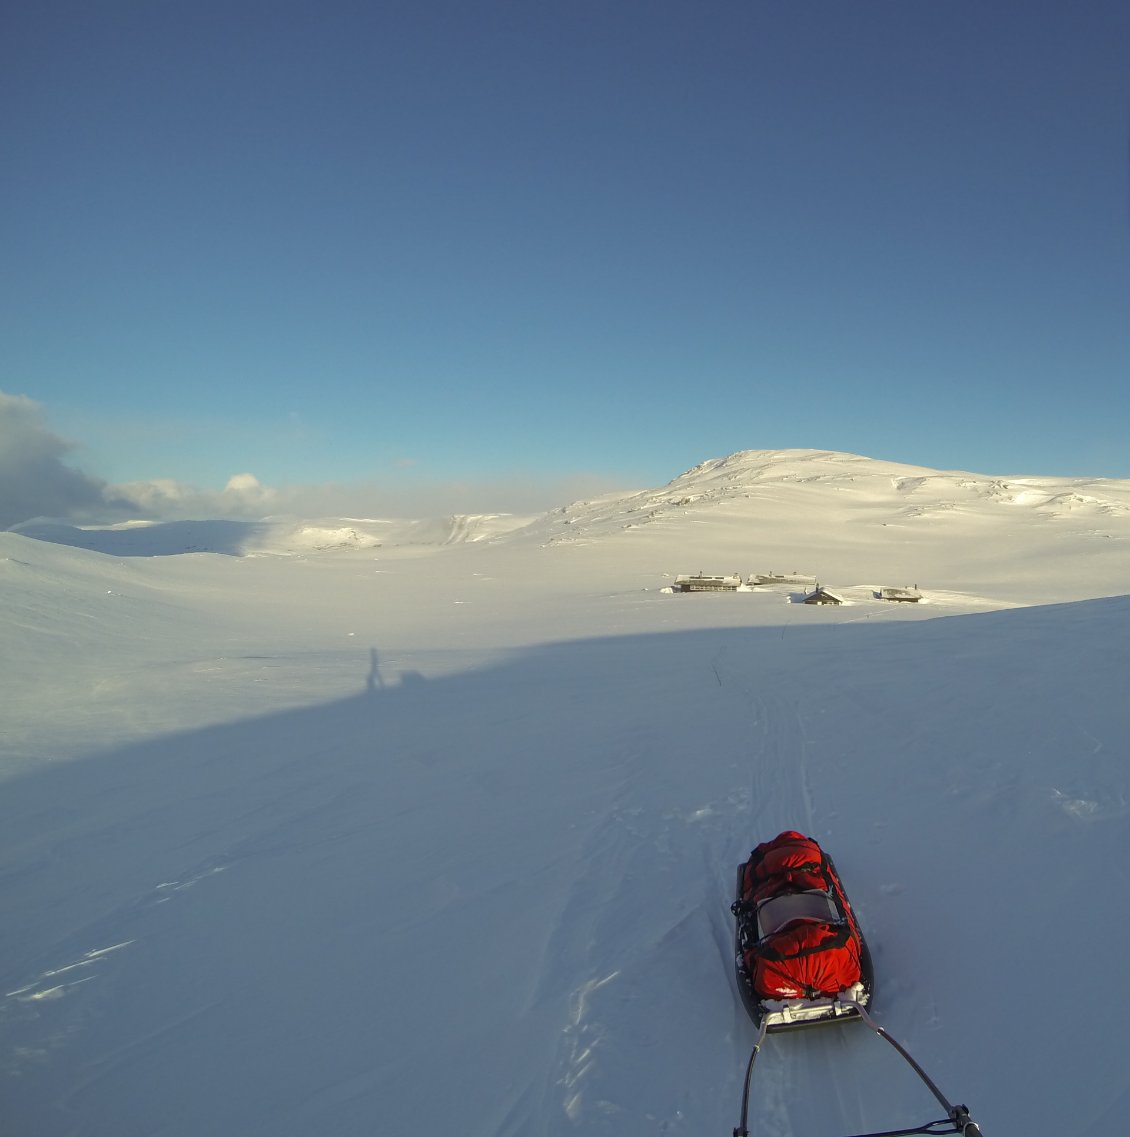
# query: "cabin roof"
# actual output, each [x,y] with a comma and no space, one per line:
[821,595]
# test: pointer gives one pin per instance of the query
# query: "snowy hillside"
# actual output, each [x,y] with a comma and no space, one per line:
[850,520]
[284,536]
[439,835]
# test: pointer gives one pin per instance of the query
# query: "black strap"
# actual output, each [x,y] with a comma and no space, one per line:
[840,935]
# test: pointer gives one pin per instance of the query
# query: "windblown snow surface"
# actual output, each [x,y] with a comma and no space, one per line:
[353,827]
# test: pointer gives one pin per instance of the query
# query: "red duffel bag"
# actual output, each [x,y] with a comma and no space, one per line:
[801,937]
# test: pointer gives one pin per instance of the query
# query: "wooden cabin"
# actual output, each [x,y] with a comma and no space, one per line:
[762,579]
[704,583]
[822,596]
[900,595]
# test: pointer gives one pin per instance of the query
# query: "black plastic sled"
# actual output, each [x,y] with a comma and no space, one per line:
[802,961]
[755,921]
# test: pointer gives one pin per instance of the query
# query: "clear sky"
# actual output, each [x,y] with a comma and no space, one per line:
[404,242]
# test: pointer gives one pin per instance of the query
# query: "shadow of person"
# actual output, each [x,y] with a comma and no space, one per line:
[374,680]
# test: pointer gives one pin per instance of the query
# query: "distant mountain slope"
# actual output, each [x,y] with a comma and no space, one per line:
[848,520]
[838,483]
[279,535]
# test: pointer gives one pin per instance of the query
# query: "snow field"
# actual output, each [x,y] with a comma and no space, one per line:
[416,840]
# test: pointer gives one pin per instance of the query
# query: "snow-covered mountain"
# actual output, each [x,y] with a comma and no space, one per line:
[855,520]
[439,831]
[850,520]
[285,536]
[870,491]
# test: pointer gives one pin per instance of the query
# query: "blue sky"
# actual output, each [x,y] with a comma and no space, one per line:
[397,243]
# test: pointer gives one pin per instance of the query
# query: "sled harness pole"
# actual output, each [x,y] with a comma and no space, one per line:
[957,1119]
[958,1115]
[741,1130]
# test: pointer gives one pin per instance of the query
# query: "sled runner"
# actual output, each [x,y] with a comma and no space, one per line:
[802,960]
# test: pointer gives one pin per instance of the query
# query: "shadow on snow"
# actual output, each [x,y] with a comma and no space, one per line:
[496,902]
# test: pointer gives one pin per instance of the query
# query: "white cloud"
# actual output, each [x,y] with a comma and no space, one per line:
[242,483]
[244,497]
[164,499]
[34,479]
[36,482]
